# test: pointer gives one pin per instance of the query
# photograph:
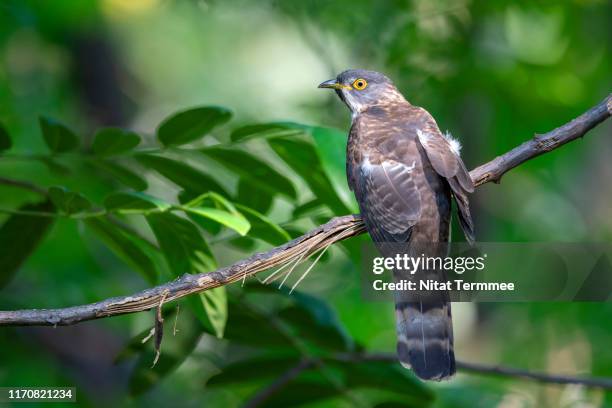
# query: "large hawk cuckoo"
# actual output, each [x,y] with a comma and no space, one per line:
[404,172]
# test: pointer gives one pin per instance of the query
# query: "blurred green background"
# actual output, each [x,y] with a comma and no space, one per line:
[492,73]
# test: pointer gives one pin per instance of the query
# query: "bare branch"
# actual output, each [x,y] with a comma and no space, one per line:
[540,144]
[337,229]
[593,382]
[307,364]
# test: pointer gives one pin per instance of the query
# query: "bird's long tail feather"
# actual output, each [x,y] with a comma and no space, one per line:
[424,326]
[425,337]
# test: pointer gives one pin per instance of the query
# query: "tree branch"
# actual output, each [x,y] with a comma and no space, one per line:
[594,382]
[307,364]
[542,143]
[337,229]
[23,184]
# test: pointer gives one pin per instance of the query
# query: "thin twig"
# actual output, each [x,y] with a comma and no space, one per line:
[540,144]
[307,364]
[174,329]
[300,346]
[605,383]
[462,366]
[46,214]
[159,328]
[279,383]
[26,185]
[148,336]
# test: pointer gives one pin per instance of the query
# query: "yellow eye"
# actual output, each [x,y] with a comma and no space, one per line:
[360,84]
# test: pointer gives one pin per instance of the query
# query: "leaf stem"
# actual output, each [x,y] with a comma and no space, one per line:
[23,184]
[30,213]
[90,214]
[93,214]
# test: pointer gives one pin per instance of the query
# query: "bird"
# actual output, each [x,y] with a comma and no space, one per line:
[405,173]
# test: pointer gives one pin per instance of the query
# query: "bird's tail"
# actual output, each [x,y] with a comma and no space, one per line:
[425,330]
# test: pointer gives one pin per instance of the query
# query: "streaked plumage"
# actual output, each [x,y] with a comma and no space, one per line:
[403,172]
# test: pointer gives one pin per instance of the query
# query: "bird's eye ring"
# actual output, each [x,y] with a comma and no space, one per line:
[360,84]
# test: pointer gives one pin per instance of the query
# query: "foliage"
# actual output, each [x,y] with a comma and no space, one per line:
[132,174]
[185,226]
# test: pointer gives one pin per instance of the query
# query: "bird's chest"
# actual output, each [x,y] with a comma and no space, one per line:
[374,140]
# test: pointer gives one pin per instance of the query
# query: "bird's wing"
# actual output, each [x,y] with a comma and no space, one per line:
[443,153]
[389,197]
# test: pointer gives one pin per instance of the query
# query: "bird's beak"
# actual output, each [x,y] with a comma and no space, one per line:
[333,84]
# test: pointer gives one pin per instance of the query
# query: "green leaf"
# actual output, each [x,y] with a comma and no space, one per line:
[190,125]
[55,166]
[303,159]
[264,228]
[181,174]
[184,248]
[314,385]
[384,374]
[174,351]
[123,174]
[207,224]
[20,236]
[313,319]
[237,222]
[308,318]
[134,202]
[257,172]
[67,201]
[253,197]
[5,139]
[308,392]
[210,307]
[246,244]
[223,213]
[310,384]
[129,247]
[186,251]
[312,207]
[57,136]
[294,231]
[245,322]
[330,145]
[268,366]
[215,306]
[110,141]
[267,130]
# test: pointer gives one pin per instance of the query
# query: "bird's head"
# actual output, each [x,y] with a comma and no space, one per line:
[361,89]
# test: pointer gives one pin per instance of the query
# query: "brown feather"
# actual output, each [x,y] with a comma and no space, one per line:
[404,174]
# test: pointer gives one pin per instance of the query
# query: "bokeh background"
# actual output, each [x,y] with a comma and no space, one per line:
[492,73]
